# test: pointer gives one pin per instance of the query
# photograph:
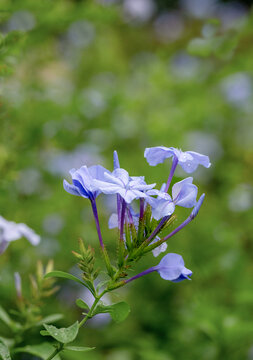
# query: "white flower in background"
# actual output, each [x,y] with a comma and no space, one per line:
[11,231]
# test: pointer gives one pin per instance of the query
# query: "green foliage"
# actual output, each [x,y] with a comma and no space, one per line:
[78,348]
[64,275]
[81,304]
[148,91]
[4,351]
[118,311]
[63,335]
[42,350]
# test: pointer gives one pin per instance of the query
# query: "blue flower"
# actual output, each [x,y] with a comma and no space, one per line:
[10,231]
[119,182]
[188,160]
[172,268]
[159,249]
[184,194]
[83,180]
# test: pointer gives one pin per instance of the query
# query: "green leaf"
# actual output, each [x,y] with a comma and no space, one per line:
[4,351]
[50,319]
[63,335]
[78,348]
[44,333]
[62,274]
[7,320]
[8,342]
[42,350]
[80,303]
[118,311]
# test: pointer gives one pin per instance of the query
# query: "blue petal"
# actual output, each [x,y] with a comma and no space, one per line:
[190,160]
[158,154]
[172,268]
[161,208]
[184,193]
[70,188]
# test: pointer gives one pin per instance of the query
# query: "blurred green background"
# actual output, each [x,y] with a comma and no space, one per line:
[80,79]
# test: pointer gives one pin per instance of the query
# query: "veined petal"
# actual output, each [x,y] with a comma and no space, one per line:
[158,154]
[121,174]
[105,187]
[161,208]
[184,193]
[172,268]
[201,159]
[72,189]
[110,178]
[192,160]
[98,172]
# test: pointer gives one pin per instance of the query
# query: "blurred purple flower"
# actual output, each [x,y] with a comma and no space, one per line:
[189,160]
[10,231]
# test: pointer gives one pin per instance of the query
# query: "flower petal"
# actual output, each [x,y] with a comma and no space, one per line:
[157,154]
[72,189]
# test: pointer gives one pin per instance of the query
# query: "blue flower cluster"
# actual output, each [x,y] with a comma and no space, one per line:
[90,182]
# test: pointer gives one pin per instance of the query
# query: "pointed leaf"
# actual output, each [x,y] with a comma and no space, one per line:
[118,311]
[4,351]
[42,350]
[63,335]
[78,348]
[62,274]
[80,303]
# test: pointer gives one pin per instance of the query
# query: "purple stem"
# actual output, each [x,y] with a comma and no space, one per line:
[142,202]
[172,170]
[145,272]
[130,217]
[180,227]
[122,218]
[157,229]
[118,208]
[95,213]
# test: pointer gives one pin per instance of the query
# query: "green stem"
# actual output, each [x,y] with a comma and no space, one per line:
[89,315]
[56,352]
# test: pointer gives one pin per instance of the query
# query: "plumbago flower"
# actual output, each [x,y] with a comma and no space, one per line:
[83,180]
[184,194]
[188,160]
[10,231]
[119,182]
[139,232]
[171,267]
